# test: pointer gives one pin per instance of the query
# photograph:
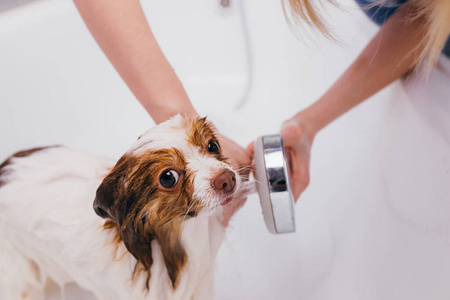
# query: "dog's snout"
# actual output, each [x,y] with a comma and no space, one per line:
[225,181]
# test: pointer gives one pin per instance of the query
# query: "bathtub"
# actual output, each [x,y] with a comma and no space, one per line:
[374,222]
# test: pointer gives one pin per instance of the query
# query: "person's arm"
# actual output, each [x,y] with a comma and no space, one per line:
[391,54]
[122,32]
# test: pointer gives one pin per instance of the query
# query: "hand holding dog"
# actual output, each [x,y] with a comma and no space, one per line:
[240,160]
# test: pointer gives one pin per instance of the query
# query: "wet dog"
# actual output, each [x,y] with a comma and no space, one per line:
[153,231]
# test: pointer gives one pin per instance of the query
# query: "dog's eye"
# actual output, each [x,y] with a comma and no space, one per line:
[169,178]
[213,147]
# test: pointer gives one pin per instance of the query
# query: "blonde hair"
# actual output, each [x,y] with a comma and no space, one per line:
[436,13]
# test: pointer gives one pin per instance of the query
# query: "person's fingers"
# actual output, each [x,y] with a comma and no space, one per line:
[251,148]
[304,179]
[294,173]
[244,164]
[297,146]
[231,208]
[239,158]
[291,133]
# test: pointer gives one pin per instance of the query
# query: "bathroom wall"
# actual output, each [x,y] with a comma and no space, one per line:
[8,4]
[374,222]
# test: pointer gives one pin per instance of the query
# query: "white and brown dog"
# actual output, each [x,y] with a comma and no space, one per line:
[161,204]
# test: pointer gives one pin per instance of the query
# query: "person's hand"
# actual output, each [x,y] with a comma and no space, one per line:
[297,141]
[240,160]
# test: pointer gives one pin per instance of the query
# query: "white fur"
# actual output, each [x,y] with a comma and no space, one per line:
[48,227]
[205,167]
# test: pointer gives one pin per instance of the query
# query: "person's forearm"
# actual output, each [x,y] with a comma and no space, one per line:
[390,55]
[121,30]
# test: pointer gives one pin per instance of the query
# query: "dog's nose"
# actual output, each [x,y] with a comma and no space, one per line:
[224,182]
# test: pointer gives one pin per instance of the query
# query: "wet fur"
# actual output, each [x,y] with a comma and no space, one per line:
[158,242]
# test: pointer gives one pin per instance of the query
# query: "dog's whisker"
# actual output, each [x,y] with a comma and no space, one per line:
[244,168]
[164,223]
[193,202]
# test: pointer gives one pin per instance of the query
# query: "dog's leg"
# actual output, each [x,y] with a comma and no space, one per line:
[19,275]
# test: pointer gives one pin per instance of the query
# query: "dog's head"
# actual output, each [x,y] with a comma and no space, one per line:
[172,172]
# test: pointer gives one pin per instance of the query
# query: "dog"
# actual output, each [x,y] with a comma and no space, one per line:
[148,227]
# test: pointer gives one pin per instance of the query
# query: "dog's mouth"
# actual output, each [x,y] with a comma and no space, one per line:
[228,200]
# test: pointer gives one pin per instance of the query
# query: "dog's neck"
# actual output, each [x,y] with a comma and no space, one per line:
[201,238]
[183,253]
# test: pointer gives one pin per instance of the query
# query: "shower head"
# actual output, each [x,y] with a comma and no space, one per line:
[272,179]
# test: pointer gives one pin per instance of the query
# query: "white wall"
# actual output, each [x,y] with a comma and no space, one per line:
[57,86]
[7,4]
[374,222]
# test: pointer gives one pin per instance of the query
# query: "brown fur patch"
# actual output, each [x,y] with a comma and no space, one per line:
[8,161]
[168,236]
[142,210]
[174,254]
[200,132]
[117,240]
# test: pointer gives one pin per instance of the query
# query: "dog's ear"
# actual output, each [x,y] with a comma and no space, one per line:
[113,201]
[121,197]
[111,190]
[139,245]
[104,199]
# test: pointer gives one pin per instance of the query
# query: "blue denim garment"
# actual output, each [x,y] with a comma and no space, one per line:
[380,13]
[446,50]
